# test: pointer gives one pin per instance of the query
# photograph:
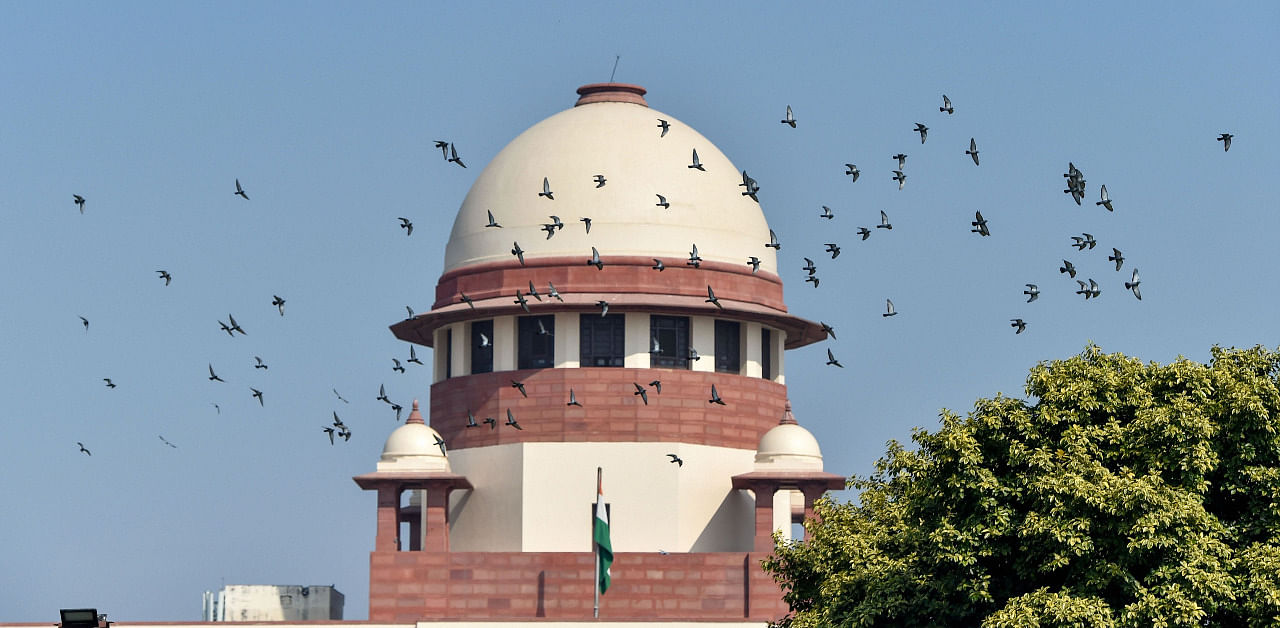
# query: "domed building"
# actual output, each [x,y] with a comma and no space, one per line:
[610,300]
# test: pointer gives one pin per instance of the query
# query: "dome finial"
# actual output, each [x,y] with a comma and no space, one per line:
[611,92]
[787,417]
[414,415]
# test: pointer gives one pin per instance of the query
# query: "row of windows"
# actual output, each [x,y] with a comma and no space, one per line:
[601,342]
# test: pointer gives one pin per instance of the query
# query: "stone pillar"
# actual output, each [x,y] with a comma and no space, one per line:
[437,517]
[388,537]
[764,515]
[811,494]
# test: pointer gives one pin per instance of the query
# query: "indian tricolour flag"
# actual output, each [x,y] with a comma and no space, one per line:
[600,533]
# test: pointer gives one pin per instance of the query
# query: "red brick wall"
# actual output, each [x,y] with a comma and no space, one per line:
[610,412]
[409,586]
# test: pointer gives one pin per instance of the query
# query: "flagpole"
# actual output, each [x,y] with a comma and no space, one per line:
[595,547]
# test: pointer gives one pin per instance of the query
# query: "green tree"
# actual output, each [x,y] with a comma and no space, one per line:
[1128,494]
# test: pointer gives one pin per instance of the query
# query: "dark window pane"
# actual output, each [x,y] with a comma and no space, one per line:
[671,334]
[600,340]
[448,353]
[537,345]
[727,347]
[766,354]
[482,347]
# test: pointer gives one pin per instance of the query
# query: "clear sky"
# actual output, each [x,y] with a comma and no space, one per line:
[327,112]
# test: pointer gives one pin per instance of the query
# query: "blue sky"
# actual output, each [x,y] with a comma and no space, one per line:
[326,113]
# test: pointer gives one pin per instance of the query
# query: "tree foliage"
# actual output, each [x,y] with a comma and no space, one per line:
[1129,494]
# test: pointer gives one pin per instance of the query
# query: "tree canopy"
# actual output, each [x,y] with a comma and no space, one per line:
[1127,494]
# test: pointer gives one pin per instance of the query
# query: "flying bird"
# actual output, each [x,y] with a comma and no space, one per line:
[406,225]
[832,361]
[335,394]
[884,222]
[164,274]
[1132,284]
[329,431]
[900,177]
[573,400]
[226,329]
[453,155]
[521,301]
[413,357]
[902,160]
[511,420]
[828,330]
[518,252]
[676,460]
[662,202]
[813,279]
[658,265]
[922,130]
[234,325]
[773,241]
[471,420]
[397,408]
[546,190]
[163,440]
[980,225]
[715,397]
[711,298]
[1018,323]
[466,299]
[1068,268]
[693,355]
[440,444]
[382,394]
[1117,257]
[492,222]
[79,200]
[600,180]
[1225,138]
[853,172]
[790,120]
[398,368]
[694,260]
[1032,292]
[279,303]
[973,151]
[595,259]
[946,105]
[657,386]
[260,364]
[665,126]
[864,232]
[697,164]
[888,307]
[587,223]
[552,293]
[833,249]
[410,311]
[484,341]
[213,377]
[604,308]
[444,149]
[641,392]
[491,422]
[110,384]
[257,394]
[754,263]
[83,449]
[240,190]
[86,323]
[533,292]
[337,422]
[826,213]
[520,387]
[809,267]
[1106,199]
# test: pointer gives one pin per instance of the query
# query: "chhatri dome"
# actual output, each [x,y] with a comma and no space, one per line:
[548,368]
[611,131]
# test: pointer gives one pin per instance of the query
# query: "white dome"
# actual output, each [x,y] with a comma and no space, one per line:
[788,446]
[412,447]
[622,142]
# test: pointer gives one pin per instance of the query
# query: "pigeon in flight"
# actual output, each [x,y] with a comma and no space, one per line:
[466,299]
[86,323]
[809,267]
[213,377]
[573,399]
[853,172]
[641,392]
[533,292]
[604,307]
[546,190]
[828,330]
[676,460]
[410,311]
[832,361]
[773,241]
[278,302]
[471,420]
[520,387]
[79,200]
[1084,241]
[164,274]
[826,213]
[511,420]
[833,249]
[864,232]
[397,408]
[888,306]
[595,259]
[550,229]
[662,202]
[235,326]
[226,329]
[754,263]
[398,367]
[335,394]
[1132,284]
[715,397]
[518,252]
[260,364]
[163,440]
[406,225]
[752,188]
[1032,292]
[600,180]
[587,223]
[1068,268]
[790,120]
[902,160]
[542,329]
[946,105]
[1117,257]
[453,155]
[813,279]
[440,444]
[110,384]
[257,394]
[444,148]
[900,177]
[658,265]
[665,126]
[329,431]
[521,301]
[1019,324]
[1225,138]
[657,386]
[552,293]
[884,222]
[1106,200]
[694,259]
[973,151]
[492,222]
[697,164]
[83,449]
[980,225]
[922,130]
[491,422]
[413,357]
[382,394]
[712,299]
[240,190]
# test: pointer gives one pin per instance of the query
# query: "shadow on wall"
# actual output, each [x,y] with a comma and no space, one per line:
[732,527]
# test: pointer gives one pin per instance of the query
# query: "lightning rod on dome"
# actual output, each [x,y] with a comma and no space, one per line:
[615,67]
